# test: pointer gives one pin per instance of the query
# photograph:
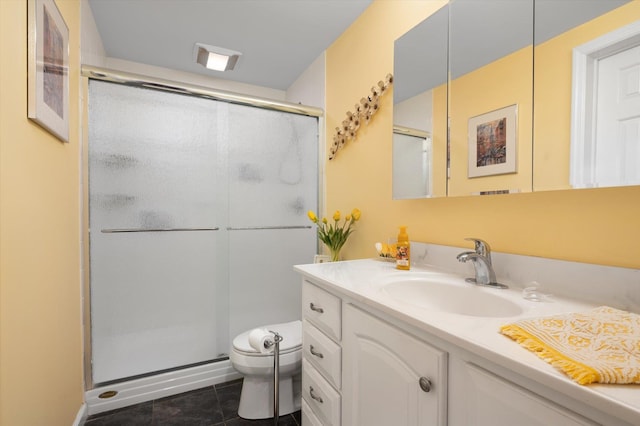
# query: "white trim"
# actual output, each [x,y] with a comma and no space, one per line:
[82,415]
[583,102]
[159,386]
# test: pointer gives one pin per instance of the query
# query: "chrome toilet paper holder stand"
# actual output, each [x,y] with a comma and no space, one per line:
[277,338]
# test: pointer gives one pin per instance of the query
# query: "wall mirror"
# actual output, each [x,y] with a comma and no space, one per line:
[490,96]
[420,109]
[491,83]
[587,94]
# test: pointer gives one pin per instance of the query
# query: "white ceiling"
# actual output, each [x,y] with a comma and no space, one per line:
[278,39]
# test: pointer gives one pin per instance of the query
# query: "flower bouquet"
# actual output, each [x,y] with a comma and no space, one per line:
[334,235]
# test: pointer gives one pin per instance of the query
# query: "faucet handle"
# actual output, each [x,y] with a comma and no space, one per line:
[482,247]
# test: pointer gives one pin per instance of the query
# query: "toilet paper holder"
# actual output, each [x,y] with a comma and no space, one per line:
[277,338]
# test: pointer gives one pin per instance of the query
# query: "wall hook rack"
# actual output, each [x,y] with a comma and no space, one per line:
[363,112]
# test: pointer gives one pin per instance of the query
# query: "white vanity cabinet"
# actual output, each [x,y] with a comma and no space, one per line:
[365,364]
[359,370]
[390,377]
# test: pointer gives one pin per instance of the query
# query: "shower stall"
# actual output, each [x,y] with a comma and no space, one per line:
[196,214]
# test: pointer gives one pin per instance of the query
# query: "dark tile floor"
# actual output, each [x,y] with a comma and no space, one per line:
[214,405]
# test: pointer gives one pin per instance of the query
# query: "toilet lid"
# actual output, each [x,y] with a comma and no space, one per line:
[291,333]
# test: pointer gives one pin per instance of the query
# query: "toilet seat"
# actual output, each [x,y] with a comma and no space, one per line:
[291,333]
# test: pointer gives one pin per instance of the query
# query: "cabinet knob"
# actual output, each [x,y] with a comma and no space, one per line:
[315,353]
[425,384]
[316,308]
[314,396]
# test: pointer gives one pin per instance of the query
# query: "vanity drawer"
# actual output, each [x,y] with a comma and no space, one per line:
[308,417]
[323,353]
[323,309]
[320,396]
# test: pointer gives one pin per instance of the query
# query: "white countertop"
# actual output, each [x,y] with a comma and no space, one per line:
[363,280]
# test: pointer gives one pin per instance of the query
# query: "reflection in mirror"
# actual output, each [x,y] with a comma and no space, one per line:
[587,92]
[420,104]
[491,70]
[411,163]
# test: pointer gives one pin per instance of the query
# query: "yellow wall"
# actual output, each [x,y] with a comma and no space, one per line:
[593,226]
[40,304]
[552,103]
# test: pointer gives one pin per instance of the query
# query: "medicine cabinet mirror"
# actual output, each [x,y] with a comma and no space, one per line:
[535,111]
[420,108]
[587,94]
[490,96]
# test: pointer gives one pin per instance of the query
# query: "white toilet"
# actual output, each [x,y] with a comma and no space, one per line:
[256,399]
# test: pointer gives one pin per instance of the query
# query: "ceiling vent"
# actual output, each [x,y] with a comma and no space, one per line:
[216,58]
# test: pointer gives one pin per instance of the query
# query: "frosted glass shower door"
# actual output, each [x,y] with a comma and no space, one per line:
[159,296]
[273,182]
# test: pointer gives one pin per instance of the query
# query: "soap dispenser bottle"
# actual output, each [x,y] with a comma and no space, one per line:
[403,253]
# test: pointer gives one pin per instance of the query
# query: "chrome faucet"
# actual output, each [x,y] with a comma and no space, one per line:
[482,248]
[481,260]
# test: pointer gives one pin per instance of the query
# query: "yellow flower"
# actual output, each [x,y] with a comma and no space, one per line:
[312,216]
[334,235]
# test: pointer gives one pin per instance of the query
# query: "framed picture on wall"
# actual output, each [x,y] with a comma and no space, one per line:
[492,142]
[48,68]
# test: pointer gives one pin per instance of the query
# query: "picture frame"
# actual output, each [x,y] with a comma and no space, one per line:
[492,142]
[48,68]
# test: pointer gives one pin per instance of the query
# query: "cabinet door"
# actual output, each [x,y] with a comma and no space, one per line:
[382,369]
[491,400]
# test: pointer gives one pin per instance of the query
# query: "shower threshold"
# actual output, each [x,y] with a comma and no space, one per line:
[134,390]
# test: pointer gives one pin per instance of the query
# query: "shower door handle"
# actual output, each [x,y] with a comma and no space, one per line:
[118,231]
[258,228]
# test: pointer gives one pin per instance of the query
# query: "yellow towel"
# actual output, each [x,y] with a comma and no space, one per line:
[599,346]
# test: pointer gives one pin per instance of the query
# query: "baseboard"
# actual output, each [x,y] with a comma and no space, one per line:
[82,415]
[159,386]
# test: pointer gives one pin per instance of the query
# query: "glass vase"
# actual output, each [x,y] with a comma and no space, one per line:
[335,253]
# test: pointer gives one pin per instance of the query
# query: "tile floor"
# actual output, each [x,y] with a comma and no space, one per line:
[214,405]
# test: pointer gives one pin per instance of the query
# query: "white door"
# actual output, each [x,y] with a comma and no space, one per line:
[382,370]
[617,156]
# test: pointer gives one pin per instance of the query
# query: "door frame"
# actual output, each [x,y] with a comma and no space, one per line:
[586,59]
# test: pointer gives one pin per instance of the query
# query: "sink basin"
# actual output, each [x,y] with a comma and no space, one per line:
[449,294]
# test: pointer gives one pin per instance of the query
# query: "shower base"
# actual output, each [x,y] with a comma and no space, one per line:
[158,386]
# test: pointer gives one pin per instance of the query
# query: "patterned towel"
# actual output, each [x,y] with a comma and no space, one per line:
[599,346]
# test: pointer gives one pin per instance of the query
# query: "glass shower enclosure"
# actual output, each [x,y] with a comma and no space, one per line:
[197,213]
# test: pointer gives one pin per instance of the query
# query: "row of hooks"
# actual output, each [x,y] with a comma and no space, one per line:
[363,113]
